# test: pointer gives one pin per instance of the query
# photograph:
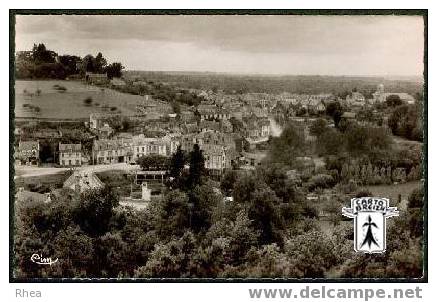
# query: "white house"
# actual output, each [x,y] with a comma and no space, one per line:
[70,154]
[143,146]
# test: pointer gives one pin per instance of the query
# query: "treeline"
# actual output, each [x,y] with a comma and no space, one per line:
[364,154]
[42,63]
[166,93]
[338,85]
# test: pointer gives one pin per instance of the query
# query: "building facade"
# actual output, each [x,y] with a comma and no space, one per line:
[70,154]
[28,153]
[96,78]
[218,149]
[111,151]
[143,146]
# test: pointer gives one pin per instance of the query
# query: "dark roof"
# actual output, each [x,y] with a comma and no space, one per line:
[70,147]
[108,144]
[209,125]
[28,145]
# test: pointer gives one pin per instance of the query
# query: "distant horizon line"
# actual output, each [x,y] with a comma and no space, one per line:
[275,74]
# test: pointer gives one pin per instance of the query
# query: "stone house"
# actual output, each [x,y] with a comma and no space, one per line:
[80,182]
[70,154]
[218,149]
[143,146]
[109,151]
[96,78]
[212,112]
[28,153]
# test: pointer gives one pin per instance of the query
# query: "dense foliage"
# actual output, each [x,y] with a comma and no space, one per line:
[406,121]
[42,63]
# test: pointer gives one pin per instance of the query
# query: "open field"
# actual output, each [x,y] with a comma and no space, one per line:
[56,103]
[392,191]
[386,191]
[42,183]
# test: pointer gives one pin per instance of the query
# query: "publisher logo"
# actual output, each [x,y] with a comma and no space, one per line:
[370,214]
[39,259]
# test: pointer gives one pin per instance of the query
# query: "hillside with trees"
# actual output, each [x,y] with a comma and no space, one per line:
[42,63]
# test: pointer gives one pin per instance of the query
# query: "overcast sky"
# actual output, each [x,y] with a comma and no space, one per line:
[325,45]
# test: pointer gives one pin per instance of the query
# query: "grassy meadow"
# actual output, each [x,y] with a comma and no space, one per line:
[58,99]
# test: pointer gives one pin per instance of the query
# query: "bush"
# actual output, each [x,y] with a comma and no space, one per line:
[322,181]
[88,101]
[405,121]
[311,254]
[363,193]
[393,100]
[415,200]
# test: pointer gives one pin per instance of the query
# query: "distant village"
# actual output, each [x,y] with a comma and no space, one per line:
[232,130]
[225,126]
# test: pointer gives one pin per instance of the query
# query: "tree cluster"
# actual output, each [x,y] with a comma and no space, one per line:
[99,64]
[166,93]
[289,145]
[406,121]
[264,231]
[42,63]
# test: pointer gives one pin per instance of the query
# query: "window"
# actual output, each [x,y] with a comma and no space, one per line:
[77,162]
